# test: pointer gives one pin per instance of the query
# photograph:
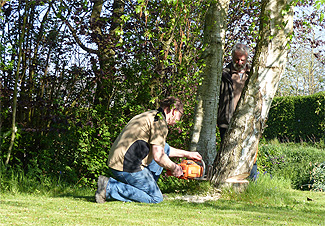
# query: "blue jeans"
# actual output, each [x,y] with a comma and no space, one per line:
[253,175]
[136,187]
[155,168]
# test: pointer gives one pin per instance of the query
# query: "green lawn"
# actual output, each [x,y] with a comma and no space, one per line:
[32,209]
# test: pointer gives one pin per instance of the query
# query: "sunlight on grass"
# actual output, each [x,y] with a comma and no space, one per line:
[76,206]
[265,190]
[26,200]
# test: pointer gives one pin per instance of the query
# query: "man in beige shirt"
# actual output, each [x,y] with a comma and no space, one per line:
[141,141]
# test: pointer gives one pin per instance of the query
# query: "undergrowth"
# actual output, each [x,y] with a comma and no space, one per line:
[300,163]
[266,190]
[302,166]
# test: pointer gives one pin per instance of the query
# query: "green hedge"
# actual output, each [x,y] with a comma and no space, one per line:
[297,118]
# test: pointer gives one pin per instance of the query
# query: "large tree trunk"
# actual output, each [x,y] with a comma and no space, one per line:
[235,159]
[204,132]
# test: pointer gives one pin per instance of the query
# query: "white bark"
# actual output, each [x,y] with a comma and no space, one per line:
[204,132]
[236,156]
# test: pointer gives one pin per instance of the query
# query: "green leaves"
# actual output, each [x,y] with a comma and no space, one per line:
[320,4]
[291,119]
[318,177]
[291,161]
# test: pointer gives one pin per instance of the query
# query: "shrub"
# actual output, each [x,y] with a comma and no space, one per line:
[297,118]
[290,161]
[318,177]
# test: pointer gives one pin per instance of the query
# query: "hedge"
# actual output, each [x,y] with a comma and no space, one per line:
[297,118]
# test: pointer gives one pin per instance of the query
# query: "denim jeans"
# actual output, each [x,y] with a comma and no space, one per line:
[253,175]
[136,187]
[155,168]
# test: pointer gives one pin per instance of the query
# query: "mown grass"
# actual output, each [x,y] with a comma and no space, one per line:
[28,200]
[266,202]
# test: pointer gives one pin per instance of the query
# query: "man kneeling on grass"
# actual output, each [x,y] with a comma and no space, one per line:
[139,155]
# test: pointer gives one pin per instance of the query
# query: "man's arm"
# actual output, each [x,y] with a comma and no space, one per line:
[174,152]
[164,161]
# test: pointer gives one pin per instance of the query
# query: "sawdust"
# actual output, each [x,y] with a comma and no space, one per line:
[196,198]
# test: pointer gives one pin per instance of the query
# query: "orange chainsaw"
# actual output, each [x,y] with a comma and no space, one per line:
[191,169]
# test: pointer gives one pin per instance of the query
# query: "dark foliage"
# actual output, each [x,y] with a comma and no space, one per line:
[297,118]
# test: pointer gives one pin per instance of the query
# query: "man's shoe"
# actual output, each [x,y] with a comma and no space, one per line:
[100,194]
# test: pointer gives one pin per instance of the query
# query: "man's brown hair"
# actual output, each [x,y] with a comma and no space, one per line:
[172,102]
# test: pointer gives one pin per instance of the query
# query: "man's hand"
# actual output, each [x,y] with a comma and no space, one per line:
[177,172]
[194,156]
[179,153]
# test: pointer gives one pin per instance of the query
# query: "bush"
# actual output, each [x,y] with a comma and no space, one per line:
[74,148]
[318,177]
[291,161]
[297,118]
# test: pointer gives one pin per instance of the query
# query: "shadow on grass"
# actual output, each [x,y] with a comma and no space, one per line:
[230,205]
[79,197]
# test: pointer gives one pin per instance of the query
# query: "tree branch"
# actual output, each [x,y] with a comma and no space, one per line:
[74,33]
[75,36]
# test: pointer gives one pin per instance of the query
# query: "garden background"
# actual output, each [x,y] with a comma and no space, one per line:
[74,73]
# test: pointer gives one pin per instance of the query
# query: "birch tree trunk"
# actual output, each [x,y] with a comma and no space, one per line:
[235,159]
[203,138]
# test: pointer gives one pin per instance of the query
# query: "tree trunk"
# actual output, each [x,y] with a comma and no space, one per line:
[235,159]
[14,105]
[203,138]
[106,44]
